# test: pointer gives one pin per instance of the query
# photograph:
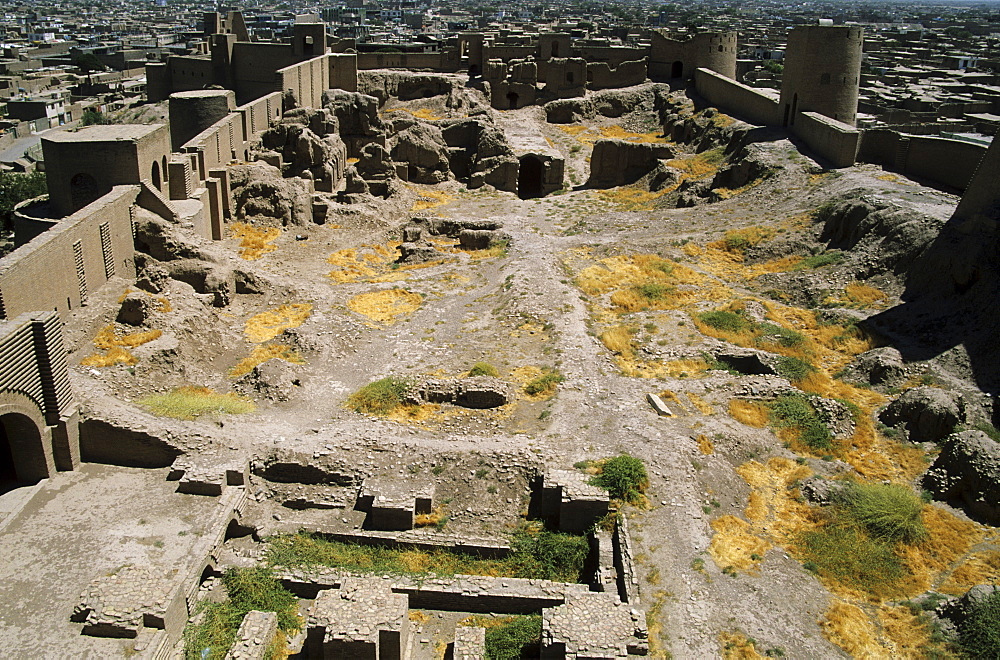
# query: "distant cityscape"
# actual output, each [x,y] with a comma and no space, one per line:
[926,69]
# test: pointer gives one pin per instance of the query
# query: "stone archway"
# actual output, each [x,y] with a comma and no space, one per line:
[22,443]
[529,177]
[677,69]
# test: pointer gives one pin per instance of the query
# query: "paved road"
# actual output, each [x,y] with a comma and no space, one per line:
[21,145]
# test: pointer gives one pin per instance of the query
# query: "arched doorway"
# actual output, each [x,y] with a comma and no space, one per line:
[155,175]
[512,100]
[22,456]
[677,69]
[529,177]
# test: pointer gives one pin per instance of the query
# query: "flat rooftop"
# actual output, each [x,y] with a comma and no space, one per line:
[113,132]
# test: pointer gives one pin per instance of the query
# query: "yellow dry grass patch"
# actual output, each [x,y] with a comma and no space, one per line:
[851,629]
[616,132]
[886,631]
[385,307]
[978,568]
[729,265]
[699,166]
[111,357]
[671,396]
[419,113]
[949,538]
[737,240]
[683,368]
[751,413]
[734,542]
[859,295]
[529,329]
[705,444]
[268,325]
[699,403]
[419,616]
[526,374]
[429,519]
[621,274]
[634,198]
[115,347]
[772,507]
[255,241]
[619,339]
[736,646]
[415,414]
[429,199]
[261,354]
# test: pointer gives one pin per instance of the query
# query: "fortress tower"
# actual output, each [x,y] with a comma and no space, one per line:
[671,59]
[822,72]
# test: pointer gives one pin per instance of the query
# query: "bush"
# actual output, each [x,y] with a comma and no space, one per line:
[94,118]
[773,333]
[889,512]
[820,260]
[248,589]
[514,639]
[624,477]
[483,369]
[15,187]
[381,397]
[979,634]
[795,411]
[725,321]
[544,384]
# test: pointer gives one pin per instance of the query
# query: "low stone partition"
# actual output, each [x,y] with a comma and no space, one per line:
[571,502]
[470,643]
[254,636]
[363,619]
[420,539]
[393,504]
[628,579]
[132,598]
[593,625]
[201,474]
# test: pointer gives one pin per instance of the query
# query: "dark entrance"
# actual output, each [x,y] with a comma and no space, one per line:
[512,100]
[677,69]
[22,458]
[529,178]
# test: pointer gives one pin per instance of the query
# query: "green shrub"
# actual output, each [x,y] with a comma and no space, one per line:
[483,369]
[988,429]
[93,118]
[15,187]
[794,410]
[381,397]
[725,321]
[793,368]
[889,512]
[248,589]
[820,260]
[979,634]
[624,477]
[544,384]
[510,637]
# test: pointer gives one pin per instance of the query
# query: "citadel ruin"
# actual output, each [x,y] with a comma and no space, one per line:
[311,220]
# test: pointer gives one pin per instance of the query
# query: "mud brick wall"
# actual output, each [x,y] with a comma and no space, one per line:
[44,274]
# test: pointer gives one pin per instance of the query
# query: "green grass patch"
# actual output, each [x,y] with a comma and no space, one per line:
[544,384]
[979,634]
[828,258]
[189,402]
[653,291]
[726,321]
[845,554]
[794,410]
[772,333]
[793,368]
[989,430]
[248,589]
[484,369]
[536,554]
[624,477]
[381,397]
[889,512]
[509,637]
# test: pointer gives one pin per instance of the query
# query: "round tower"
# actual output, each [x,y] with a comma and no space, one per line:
[822,72]
[192,112]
